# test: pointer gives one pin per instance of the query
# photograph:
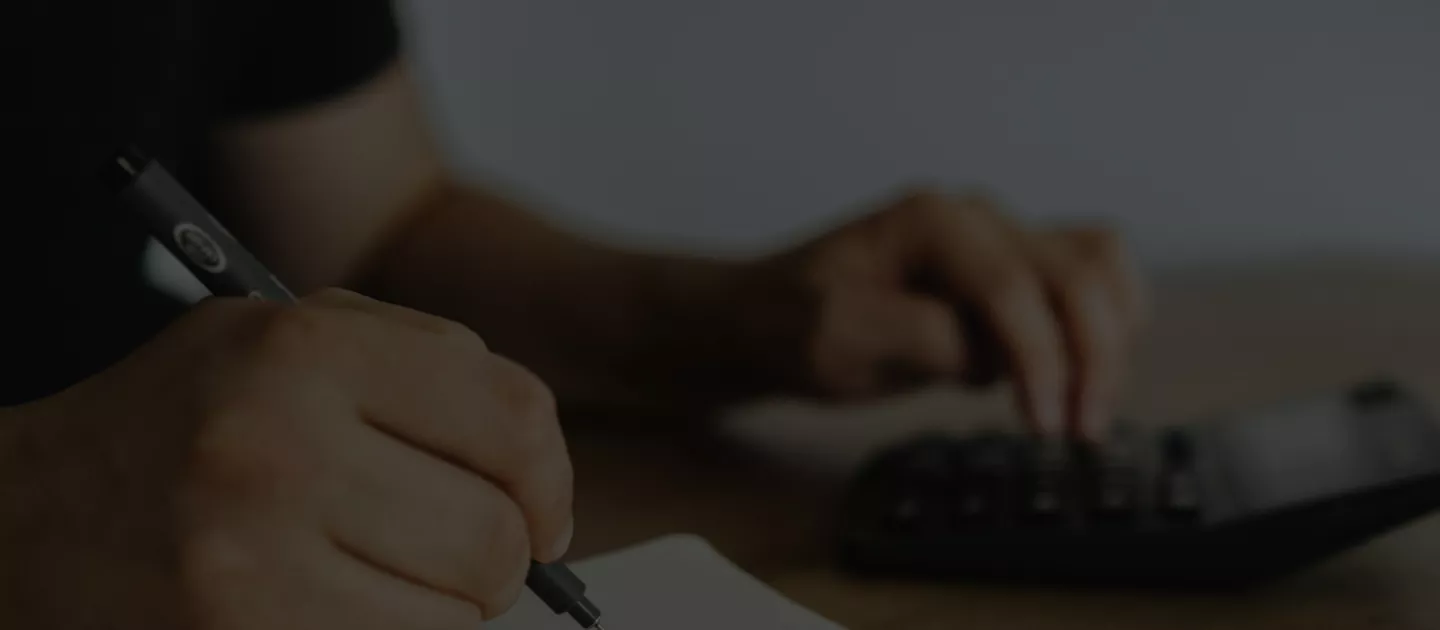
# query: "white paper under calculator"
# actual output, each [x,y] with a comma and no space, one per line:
[672,583]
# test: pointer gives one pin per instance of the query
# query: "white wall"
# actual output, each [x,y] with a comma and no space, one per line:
[1211,129]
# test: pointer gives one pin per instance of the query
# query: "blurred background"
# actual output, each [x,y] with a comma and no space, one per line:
[1226,138]
[1217,131]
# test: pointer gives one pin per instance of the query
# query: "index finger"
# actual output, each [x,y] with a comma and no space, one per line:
[438,389]
[973,252]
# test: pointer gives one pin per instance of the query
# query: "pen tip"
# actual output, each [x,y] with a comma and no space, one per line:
[599,627]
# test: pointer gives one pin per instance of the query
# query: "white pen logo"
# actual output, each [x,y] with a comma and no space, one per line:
[200,248]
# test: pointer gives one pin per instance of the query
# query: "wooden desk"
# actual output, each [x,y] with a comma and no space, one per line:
[1221,339]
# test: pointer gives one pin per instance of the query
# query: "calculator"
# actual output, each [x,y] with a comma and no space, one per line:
[1230,501]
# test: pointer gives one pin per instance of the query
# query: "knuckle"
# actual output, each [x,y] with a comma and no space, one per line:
[922,198]
[977,208]
[1009,285]
[532,404]
[928,206]
[976,201]
[541,444]
[460,334]
[241,457]
[1099,245]
[1076,280]
[291,333]
[462,339]
[931,208]
[539,402]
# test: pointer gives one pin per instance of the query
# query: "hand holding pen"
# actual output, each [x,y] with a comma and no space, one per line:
[434,471]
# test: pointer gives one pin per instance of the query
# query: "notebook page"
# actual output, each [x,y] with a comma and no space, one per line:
[673,582]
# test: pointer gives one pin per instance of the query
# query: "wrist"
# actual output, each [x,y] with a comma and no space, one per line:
[727,331]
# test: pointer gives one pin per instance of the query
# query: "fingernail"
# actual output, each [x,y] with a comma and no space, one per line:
[562,546]
[1049,414]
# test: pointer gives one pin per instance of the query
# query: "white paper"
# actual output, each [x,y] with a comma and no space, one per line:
[673,582]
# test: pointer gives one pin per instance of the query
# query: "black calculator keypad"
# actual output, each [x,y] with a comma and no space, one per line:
[1237,499]
[1006,480]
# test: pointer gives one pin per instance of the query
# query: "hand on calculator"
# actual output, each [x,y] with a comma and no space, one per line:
[938,287]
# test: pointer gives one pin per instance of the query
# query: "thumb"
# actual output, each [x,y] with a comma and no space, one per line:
[878,341]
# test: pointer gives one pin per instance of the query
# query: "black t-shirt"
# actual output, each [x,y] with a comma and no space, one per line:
[81,80]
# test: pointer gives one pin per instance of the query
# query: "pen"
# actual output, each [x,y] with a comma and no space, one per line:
[179,221]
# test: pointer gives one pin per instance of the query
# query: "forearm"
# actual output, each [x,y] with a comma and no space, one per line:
[601,325]
[355,193]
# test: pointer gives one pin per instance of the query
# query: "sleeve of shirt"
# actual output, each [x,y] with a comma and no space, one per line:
[270,56]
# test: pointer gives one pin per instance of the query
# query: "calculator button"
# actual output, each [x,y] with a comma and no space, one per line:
[1047,477]
[916,514]
[1179,484]
[990,469]
[903,517]
[1045,501]
[983,498]
[1178,450]
[1180,495]
[973,505]
[1117,493]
